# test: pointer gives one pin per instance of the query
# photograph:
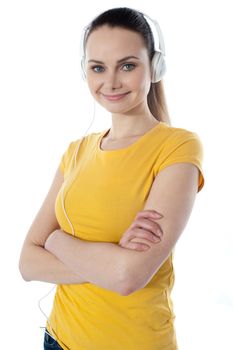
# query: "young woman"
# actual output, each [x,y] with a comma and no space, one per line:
[107,229]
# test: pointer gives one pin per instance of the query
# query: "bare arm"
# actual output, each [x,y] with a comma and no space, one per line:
[97,262]
[37,264]
[101,263]
[173,193]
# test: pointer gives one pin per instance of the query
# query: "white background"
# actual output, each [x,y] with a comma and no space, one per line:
[45,104]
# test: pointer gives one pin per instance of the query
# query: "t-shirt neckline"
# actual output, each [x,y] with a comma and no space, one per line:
[125,149]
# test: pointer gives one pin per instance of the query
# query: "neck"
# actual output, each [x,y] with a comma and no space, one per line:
[130,125]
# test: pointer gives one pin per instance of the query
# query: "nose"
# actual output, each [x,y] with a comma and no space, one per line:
[112,80]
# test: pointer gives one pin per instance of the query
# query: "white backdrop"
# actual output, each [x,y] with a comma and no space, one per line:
[45,104]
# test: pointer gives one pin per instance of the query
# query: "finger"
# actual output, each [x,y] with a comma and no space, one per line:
[142,234]
[149,213]
[146,241]
[146,214]
[147,225]
[137,246]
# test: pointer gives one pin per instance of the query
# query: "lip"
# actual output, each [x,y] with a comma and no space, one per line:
[115,97]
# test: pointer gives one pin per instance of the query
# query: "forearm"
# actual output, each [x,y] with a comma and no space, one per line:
[37,264]
[101,263]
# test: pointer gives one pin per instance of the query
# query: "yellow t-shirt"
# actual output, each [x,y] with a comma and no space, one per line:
[102,195]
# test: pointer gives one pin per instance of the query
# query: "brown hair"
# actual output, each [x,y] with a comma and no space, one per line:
[134,20]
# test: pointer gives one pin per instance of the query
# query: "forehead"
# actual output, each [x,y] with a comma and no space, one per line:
[107,42]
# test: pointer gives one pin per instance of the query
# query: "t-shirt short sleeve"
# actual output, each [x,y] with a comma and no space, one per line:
[183,146]
[66,157]
[67,161]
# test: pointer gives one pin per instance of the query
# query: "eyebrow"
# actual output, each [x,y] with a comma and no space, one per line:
[119,61]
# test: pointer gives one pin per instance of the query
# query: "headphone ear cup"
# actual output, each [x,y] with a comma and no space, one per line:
[83,69]
[158,67]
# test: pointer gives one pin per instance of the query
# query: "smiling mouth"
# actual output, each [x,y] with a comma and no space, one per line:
[115,97]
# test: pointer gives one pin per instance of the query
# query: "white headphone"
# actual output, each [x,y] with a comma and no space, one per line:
[158,64]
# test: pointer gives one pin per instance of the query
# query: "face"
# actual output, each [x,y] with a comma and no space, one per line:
[110,76]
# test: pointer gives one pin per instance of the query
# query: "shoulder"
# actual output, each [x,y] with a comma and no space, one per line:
[175,132]
[176,137]
[181,146]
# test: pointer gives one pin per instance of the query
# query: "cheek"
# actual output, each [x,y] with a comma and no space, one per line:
[141,84]
[140,80]
[93,85]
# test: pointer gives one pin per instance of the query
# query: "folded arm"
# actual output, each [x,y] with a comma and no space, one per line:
[37,264]
[123,270]
[101,263]
[173,194]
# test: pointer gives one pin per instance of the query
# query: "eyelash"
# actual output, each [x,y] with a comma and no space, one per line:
[126,64]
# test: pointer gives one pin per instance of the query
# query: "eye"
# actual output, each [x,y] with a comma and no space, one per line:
[126,64]
[129,64]
[94,67]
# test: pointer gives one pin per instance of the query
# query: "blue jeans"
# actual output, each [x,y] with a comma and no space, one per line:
[50,343]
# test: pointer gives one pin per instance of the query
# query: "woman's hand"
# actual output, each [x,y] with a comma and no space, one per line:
[143,232]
